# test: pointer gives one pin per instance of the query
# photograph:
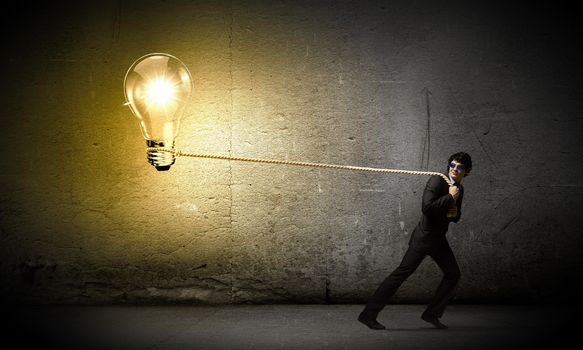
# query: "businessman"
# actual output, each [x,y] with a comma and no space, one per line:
[441,205]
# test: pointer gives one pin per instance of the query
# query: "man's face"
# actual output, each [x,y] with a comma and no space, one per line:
[457,171]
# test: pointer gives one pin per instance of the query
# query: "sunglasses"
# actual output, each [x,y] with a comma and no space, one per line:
[458,166]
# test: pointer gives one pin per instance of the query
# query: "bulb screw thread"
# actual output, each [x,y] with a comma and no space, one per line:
[161,160]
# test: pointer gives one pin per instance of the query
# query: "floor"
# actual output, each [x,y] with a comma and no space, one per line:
[285,327]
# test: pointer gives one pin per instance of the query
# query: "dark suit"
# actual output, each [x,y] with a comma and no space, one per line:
[428,238]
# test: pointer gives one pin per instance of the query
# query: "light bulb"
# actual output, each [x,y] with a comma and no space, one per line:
[157,88]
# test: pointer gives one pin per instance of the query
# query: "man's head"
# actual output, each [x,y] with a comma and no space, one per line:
[459,166]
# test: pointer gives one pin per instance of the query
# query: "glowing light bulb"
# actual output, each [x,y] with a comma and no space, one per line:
[157,88]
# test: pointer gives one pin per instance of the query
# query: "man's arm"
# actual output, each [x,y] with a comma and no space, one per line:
[459,208]
[433,202]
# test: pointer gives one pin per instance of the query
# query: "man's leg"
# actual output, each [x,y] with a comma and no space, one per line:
[446,261]
[413,257]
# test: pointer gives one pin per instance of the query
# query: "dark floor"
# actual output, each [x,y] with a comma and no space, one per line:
[286,327]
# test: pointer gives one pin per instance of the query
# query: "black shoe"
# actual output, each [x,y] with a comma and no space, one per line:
[434,321]
[370,322]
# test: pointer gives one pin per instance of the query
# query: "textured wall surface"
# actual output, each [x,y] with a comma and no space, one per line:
[393,84]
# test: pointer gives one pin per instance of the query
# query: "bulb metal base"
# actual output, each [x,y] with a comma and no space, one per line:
[161,160]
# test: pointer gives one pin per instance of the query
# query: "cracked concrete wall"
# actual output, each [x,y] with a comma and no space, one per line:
[85,219]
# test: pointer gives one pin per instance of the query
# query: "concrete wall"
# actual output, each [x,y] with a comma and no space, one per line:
[392,84]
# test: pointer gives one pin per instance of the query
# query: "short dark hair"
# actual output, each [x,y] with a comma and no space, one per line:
[463,158]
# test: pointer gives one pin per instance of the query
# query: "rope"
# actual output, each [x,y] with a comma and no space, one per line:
[178,153]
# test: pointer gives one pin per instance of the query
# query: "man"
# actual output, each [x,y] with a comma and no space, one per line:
[441,205]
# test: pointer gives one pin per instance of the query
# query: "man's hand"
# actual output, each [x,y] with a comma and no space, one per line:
[454,191]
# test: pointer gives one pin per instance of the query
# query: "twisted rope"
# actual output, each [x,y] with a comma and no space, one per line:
[178,153]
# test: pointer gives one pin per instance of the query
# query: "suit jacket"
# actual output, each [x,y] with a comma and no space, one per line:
[436,201]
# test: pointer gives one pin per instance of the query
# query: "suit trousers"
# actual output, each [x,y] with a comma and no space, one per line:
[441,253]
